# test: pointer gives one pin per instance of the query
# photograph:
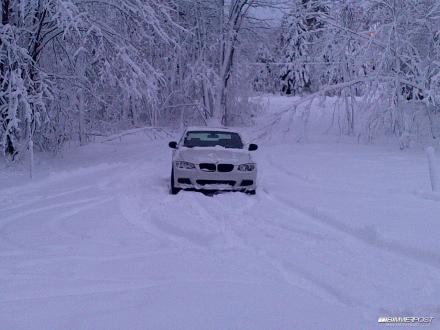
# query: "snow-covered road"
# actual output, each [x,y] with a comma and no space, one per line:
[337,235]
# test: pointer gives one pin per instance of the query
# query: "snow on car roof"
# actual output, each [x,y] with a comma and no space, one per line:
[207,128]
[217,147]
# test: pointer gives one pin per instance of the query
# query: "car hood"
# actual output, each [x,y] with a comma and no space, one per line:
[199,155]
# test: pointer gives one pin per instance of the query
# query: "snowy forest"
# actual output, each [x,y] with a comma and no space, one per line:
[74,69]
[219,164]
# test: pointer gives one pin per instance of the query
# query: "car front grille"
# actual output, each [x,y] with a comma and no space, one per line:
[225,167]
[207,167]
[207,182]
[246,183]
[210,167]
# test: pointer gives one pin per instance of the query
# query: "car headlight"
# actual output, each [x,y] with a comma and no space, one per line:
[246,167]
[185,165]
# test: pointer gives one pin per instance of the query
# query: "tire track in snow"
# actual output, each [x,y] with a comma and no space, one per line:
[188,206]
[158,218]
[50,260]
[47,208]
[291,274]
[79,206]
[226,221]
[82,292]
[138,217]
[115,289]
[60,177]
[315,183]
[42,198]
[298,176]
[366,235]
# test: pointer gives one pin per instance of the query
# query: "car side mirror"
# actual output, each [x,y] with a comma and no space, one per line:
[253,147]
[172,145]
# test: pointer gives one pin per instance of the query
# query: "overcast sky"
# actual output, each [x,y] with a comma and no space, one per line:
[273,14]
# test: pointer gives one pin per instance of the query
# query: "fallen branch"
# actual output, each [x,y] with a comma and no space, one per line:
[155,130]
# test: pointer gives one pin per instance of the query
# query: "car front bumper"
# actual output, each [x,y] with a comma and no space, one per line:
[203,180]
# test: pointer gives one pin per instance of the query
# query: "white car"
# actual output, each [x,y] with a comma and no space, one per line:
[212,159]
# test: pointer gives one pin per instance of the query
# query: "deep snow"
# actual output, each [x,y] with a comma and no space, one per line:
[337,235]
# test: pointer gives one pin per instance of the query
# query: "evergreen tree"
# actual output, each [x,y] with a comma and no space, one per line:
[264,81]
[295,76]
[302,37]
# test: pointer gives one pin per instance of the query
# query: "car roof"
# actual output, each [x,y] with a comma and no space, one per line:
[207,128]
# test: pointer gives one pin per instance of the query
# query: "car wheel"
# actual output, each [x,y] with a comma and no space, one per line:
[173,190]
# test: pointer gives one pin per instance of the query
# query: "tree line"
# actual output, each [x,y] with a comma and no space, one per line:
[73,69]
[381,59]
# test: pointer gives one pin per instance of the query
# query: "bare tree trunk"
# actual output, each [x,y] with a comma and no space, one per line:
[9,147]
[207,100]
[82,139]
[81,68]
[31,148]
[225,74]
[229,36]
[39,20]
[433,169]
[217,114]
[221,29]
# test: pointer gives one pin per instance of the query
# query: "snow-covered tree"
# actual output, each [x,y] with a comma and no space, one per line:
[381,51]
[265,79]
[295,51]
[64,65]
[301,45]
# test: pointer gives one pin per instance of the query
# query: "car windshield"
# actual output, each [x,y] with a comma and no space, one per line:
[212,139]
